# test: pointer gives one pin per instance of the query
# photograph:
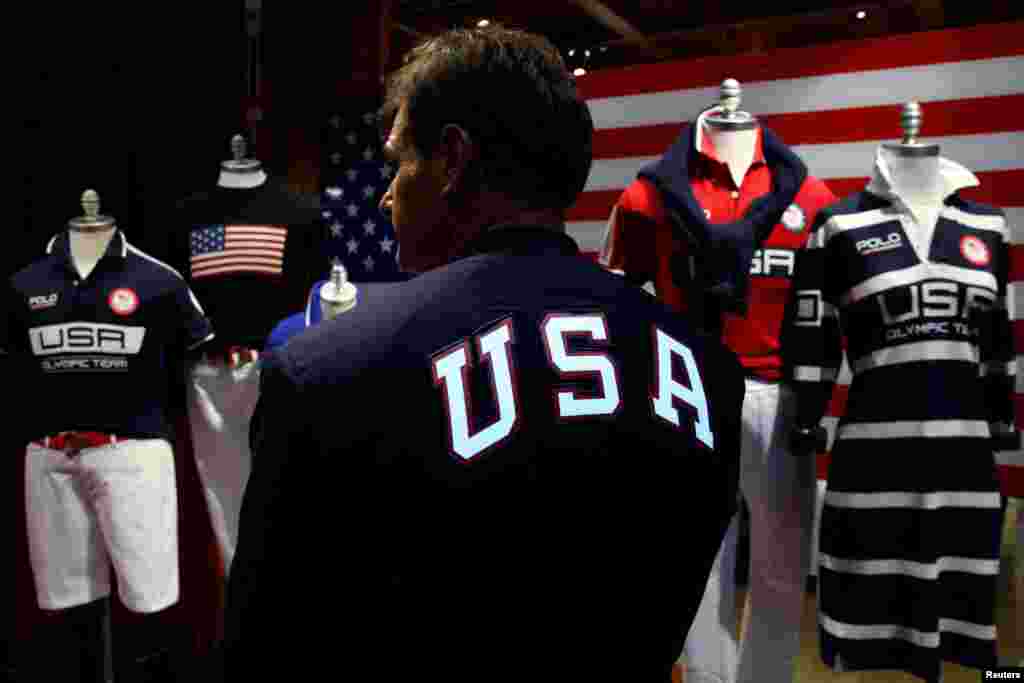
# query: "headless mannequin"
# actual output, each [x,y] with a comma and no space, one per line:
[89,235]
[733,134]
[240,173]
[338,294]
[913,173]
[142,650]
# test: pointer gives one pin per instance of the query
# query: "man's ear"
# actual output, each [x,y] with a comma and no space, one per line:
[458,151]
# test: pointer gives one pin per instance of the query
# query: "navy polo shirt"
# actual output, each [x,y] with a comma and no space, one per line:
[98,347]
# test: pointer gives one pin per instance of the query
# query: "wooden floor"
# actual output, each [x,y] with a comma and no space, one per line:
[1009,621]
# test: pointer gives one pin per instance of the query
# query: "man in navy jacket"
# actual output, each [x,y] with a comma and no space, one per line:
[484,473]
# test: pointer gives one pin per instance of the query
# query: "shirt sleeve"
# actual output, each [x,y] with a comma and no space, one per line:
[630,244]
[811,341]
[275,511]
[194,328]
[997,354]
[296,496]
[823,198]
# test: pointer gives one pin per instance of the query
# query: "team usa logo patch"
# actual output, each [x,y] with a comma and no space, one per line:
[123,301]
[974,250]
[793,218]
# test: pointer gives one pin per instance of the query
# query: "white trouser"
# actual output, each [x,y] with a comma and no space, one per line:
[113,504]
[221,401]
[779,489]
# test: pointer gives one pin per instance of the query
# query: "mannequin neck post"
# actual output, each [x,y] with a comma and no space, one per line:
[915,177]
[241,181]
[88,247]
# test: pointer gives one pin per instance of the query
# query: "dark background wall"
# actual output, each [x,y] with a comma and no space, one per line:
[137,101]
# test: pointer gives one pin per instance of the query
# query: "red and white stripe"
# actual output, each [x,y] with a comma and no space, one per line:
[247,249]
[834,105]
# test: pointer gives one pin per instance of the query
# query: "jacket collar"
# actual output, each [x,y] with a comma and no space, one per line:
[524,240]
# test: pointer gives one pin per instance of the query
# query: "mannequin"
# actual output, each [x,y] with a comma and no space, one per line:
[914,174]
[250,250]
[733,133]
[100,477]
[90,234]
[874,305]
[337,294]
[239,172]
[716,223]
[248,239]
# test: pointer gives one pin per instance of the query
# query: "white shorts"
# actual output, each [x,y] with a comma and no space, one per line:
[110,505]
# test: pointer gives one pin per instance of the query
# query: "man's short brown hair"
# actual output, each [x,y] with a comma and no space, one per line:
[511,92]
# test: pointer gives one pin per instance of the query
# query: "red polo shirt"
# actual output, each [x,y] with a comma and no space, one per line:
[642,243]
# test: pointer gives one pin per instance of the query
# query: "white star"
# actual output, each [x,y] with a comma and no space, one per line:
[368,153]
[351,138]
[369,226]
[327,215]
[386,244]
[353,245]
[335,121]
[336,229]
[336,158]
[335,192]
[369,191]
[368,263]
[385,171]
[352,175]
[353,210]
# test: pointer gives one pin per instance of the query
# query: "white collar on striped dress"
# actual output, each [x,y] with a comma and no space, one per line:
[954,177]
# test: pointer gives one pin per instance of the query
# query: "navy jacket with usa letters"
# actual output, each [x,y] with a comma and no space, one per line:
[513,467]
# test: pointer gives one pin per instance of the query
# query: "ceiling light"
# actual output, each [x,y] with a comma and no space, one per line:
[861,14]
[579,71]
[572,52]
[483,22]
[586,53]
[604,48]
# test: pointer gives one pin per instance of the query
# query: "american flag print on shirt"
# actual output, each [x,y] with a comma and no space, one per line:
[226,249]
[834,105]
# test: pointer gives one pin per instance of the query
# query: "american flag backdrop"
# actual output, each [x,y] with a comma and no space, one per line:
[356,176]
[834,105]
[223,249]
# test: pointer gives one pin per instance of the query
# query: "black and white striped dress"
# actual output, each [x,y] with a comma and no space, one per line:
[910,531]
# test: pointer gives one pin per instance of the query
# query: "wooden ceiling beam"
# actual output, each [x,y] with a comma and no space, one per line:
[759,34]
[608,18]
